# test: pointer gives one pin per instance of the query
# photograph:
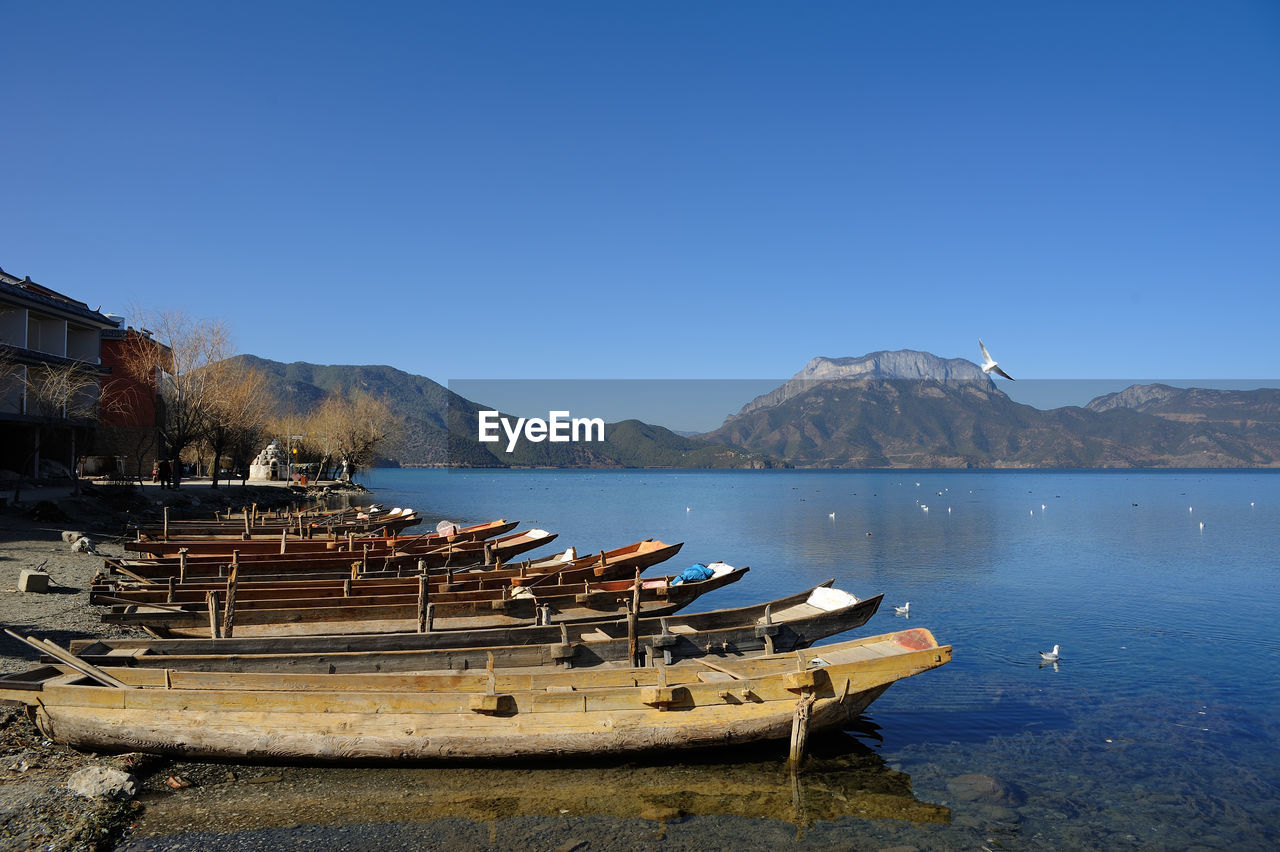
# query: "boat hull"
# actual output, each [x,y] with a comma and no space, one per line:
[436,717]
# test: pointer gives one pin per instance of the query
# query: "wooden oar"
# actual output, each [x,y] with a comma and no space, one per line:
[69,659]
[128,602]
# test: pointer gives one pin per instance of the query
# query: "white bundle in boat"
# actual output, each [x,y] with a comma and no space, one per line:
[719,569]
[828,599]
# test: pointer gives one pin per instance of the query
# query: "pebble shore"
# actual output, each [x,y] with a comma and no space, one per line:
[37,808]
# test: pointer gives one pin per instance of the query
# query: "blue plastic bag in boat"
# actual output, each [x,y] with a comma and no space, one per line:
[695,573]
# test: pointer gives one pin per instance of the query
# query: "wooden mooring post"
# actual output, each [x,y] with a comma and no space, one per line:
[215,628]
[229,615]
[633,615]
[799,731]
[423,604]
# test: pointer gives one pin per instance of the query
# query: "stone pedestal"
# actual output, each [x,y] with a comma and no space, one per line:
[33,581]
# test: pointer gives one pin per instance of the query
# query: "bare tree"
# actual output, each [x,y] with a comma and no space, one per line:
[181,368]
[355,425]
[237,410]
[128,413]
[10,370]
[58,395]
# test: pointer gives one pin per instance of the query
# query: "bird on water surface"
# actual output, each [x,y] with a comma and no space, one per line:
[989,364]
[1050,656]
[905,609]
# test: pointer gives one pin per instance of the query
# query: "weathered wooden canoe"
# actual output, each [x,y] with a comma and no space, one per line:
[272,545]
[551,572]
[303,524]
[401,613]
[338,563]
[463,716]
[603,628]
[783,626]
[609,565]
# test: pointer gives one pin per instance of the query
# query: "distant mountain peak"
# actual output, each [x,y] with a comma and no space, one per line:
[885,365]
[1138,397]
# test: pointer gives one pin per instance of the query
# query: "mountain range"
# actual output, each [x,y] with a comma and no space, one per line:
[438,427]
[899,408]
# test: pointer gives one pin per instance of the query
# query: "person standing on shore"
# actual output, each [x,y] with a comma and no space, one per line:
[166,473]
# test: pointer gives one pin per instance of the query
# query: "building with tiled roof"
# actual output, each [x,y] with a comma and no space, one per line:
[44,333]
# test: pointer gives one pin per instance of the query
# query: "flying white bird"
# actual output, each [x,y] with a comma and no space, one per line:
[905,609]
[989,365]
[1050,656]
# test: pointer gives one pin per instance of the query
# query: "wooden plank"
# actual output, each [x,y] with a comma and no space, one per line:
[69,659]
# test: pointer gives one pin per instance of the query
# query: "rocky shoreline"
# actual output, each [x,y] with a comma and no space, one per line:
[38,808]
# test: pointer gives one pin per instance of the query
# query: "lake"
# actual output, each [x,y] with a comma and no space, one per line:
[1157,728]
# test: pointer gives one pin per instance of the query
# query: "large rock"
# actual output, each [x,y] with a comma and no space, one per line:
[983,789]
[95,781]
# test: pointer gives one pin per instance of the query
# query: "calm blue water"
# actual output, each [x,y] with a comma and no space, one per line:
[1158,729]
[1159,725]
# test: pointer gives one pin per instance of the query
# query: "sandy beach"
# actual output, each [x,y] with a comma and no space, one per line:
[37,809]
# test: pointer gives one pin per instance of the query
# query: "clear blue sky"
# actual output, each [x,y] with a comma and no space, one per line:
[499,190]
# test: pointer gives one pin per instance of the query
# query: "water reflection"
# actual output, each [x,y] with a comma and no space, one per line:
[842,777]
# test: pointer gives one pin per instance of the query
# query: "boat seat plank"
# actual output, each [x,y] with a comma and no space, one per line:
[716,677]
[791,613]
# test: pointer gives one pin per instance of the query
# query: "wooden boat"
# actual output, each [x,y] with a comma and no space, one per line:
[785,625]
[303,523]
[611,564]
[338,563]
[423,611]
[551,572]
[283,542]
[609,626]
[463,716]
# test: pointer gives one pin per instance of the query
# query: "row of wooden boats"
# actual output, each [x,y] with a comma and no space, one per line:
[397,653]
[250,523]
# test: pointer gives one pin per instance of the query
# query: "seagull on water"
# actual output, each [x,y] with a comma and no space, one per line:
[831,515]
[989,365]
[1050,656]
[905,609]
